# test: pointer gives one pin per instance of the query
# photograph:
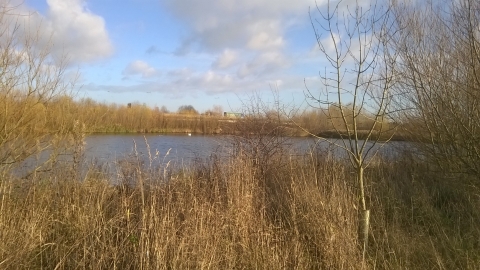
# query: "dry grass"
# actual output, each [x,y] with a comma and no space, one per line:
[230,215]
[423,219]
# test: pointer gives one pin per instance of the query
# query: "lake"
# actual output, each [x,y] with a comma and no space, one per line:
[108,149]
[184,148]
[179,148]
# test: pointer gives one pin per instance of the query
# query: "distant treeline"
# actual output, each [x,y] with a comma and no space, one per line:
[100,117]
[135,118]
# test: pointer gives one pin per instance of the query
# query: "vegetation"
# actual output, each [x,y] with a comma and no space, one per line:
[439,80]
[114,118]
[187,109]
[357,38]
[235,213]
[32,84]
[138,118]
[261,206]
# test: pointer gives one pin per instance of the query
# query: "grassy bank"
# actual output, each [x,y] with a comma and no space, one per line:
[240,213]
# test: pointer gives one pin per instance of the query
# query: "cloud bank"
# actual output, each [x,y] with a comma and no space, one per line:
[248,40]
[141,68]
[68,28]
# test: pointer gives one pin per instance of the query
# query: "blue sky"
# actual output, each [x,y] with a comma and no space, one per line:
[184,52]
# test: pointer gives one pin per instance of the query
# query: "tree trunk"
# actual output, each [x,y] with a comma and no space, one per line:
[363,229]
[364,218]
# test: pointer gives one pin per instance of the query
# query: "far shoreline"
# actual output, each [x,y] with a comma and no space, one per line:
[328,134]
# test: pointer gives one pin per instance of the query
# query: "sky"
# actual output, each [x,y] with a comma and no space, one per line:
[203,53]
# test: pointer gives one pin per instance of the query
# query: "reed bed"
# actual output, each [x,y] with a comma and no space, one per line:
[237,213]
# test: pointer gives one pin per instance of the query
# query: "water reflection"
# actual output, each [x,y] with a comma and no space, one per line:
[181,150]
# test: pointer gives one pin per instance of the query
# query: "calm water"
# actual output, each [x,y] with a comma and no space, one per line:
[164,148]
[178,149]
[110,148]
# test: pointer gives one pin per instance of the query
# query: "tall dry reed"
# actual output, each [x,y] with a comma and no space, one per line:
[229,213]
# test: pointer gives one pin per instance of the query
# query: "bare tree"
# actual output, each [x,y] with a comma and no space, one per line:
[31,80]
[356,84]
[439,69]
[260,134]
[187,109]
[217,110]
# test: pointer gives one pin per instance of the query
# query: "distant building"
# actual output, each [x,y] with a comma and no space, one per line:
[233,115]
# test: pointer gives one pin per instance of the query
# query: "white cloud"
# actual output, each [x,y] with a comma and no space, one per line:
[262,64]
[68,28]
[250,36]
[256,24]
[266,35]
[79,32]
[139,67]
[226,59]
[184,83]
[264,41]
[212,77]
[209,81]
[332,43]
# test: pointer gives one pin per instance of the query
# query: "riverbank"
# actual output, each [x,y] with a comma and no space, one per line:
[274,212]
[290,132]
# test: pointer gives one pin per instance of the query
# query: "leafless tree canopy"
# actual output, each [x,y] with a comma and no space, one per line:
[31,80]
[356,83]
[438,69]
